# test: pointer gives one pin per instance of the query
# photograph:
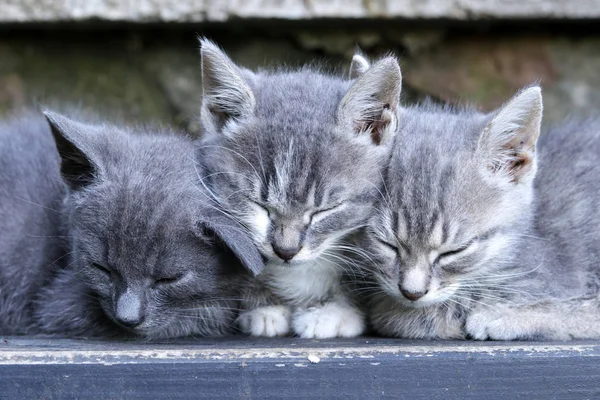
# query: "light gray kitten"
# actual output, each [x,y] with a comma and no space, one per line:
[296,157]
[117,245]
[468,242]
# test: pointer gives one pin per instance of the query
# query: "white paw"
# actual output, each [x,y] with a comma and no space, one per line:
[328,321]
[476,326]
[267,321]
[492,325]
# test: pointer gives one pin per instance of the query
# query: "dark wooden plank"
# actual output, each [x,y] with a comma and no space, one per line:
[292,368]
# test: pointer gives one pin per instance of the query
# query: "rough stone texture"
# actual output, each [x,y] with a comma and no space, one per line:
[149,75]
[487,71]
[223,10]
[133,77]
[99,76]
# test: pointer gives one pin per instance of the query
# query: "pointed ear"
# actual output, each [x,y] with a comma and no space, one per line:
[226,96]
[358,66]
[77,168]
[508,141]
[370,106]
[235,238]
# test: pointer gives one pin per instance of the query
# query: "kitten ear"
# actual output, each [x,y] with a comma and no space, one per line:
[76,167]
[359,65]
[508,141]
[226,96]
[370,105]
[235,238]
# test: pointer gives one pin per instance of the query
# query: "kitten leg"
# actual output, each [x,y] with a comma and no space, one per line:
[329,320]
[264,314]
[556,320]
[269,321]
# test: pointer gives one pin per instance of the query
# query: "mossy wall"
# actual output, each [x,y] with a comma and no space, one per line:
[151,72]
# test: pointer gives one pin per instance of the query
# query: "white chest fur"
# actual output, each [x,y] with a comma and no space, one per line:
[303,283]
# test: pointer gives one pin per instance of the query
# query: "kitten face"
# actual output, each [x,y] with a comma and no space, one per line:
[459,187]
[306,192]
[138,238]
[294,155]
[149,272]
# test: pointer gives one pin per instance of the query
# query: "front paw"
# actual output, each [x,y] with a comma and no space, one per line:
[476,326]
[492,325]
[267,321]
[328,321]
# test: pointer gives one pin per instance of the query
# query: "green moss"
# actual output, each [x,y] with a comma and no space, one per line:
[106,79]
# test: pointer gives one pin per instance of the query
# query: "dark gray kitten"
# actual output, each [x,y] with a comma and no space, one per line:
[31,239]
[296,157]
[121,249]
[467,242]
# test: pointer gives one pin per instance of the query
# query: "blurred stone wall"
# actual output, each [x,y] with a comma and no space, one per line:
[138,59]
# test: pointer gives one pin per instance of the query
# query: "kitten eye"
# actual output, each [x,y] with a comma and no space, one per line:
[389,245]
[320,214]
[167,281]
[102,268]
[453,252]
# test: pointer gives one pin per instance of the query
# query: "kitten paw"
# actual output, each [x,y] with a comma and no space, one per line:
[328,321]
[492,325]
[267,321]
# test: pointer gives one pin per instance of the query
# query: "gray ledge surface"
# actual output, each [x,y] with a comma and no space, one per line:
[186,11]
[246,368]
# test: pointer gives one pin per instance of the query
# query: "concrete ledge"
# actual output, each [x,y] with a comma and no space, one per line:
[247,368]
[187,11]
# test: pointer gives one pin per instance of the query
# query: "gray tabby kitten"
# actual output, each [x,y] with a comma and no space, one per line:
[296,158]
[467,243]
[117,246]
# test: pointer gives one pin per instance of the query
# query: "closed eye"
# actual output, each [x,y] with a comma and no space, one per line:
[455,252]
[388,245]
[102,268]
[168,280]
[319,215]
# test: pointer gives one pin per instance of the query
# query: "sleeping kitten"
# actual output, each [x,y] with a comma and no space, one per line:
[296,157]
[467,242]
[31,238]
[121,248]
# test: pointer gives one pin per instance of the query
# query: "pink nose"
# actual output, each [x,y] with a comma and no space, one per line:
[286,254]
[413,296]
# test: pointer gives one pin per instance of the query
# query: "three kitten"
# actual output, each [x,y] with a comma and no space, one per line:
[111,235]
[459,235]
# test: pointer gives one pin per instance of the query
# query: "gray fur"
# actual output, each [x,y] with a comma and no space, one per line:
[31,238]
[140,255]
[296,157]
[459,178]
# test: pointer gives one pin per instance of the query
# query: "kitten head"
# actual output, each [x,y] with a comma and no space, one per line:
[296,155]
[459,189]
[158,265]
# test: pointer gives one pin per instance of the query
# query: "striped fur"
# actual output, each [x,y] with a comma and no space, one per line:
[301,170]
[492,253]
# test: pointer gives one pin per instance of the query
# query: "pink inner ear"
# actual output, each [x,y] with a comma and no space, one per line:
[518,164]
[375,125]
